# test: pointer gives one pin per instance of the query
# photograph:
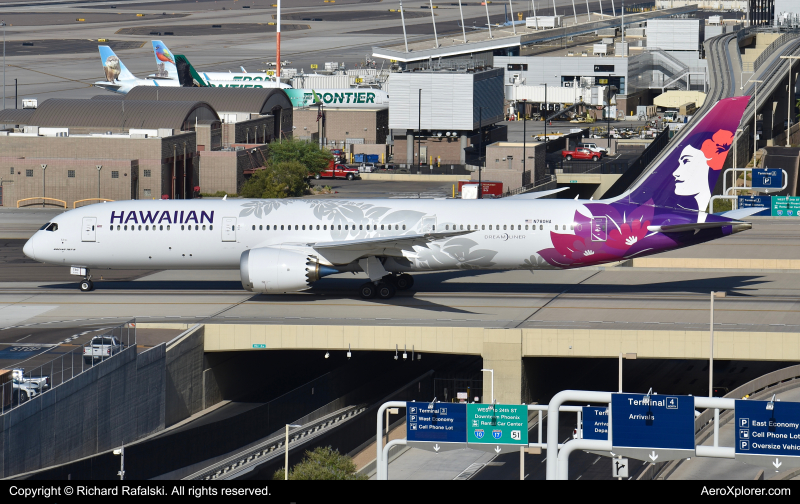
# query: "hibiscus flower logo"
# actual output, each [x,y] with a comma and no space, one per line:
[716,148]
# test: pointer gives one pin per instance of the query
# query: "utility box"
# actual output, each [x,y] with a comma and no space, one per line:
[543,22]
[30,103]
[600,49]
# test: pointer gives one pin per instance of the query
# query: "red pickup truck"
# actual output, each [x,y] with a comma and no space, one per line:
[338,171]
[580,153]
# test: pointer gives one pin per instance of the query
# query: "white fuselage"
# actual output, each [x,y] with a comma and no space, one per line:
[213,234]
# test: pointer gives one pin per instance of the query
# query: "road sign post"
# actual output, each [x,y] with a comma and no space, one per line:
[768,433]
[497,427]
[619,468]
[653,427]
[438,428]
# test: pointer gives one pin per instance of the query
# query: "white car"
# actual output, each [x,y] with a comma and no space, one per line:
[366,167]
[594,148]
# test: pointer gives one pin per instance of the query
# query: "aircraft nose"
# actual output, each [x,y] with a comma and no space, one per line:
[28,249]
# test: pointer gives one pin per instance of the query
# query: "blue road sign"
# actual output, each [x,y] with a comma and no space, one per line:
[772,432]
[767,178]
[756,201]
[653,422]
[444,423]
[595,423]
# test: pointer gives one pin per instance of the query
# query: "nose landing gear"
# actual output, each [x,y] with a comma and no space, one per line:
[87,284]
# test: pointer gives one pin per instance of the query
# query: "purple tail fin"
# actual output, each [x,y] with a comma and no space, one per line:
[686,177]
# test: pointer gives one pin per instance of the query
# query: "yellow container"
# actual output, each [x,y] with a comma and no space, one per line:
[139,15]
[80,19]
[102,40]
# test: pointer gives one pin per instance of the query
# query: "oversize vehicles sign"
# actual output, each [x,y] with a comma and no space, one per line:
[595,423]
[768,437]
[439,428]
[495,425]
[652,427]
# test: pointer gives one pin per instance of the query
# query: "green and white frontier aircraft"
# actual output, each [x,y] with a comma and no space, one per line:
[178,67]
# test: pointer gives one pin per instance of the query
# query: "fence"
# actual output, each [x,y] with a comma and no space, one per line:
[25,202]
[51,374]
[441,168]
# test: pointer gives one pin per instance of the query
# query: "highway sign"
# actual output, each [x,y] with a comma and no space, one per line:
[497,427]
[767,178]
[619,468]
[652,427]
[443,427]
[785,206]
[767,435]
[595,423]
[756,201]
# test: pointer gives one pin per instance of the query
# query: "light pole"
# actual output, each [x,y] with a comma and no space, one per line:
[524,138]
[711,355]
[3,24]
[286,449]
[480,149]
[99,167]
[419,133]
[545,117]
[121,453]
[491,371]
[44,181]
[755,121]
[789,99]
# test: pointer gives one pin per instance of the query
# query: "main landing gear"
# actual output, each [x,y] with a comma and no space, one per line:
[386,287]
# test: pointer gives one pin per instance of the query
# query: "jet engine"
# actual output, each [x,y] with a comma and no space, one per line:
[276,270]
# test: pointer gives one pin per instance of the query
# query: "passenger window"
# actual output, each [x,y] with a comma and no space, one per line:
[367,227]
[396,227]
[325,227]
[447,227]
[404,227]
[212,227]
[340,227]
[254,227]
[483,227]
[504,227]
[317,227]
[147,228]
[572,227]
[267,227]
[126,228]
[361,227]
[182,227]
[541,227]
[140,227]
[204,227]
[196,227]
[381,227]
[526,227]
[304,227]
[296,227]
[260,227]
[281,227]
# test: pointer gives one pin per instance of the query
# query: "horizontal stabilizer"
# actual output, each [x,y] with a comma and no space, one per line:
[698,226]
[538,194]
[741,213]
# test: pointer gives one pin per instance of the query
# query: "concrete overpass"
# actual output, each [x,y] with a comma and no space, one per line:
[502,350]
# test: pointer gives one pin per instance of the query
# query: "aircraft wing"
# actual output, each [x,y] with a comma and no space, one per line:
[344,252]
[741,213]
[538,194]
[107,85]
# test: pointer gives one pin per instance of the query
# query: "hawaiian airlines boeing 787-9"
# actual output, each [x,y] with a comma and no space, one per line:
[285,245]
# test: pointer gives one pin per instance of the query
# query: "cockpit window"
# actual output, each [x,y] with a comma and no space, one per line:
[42,228]
[52,227]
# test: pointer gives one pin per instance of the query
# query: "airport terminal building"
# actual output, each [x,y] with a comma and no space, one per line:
[171,145]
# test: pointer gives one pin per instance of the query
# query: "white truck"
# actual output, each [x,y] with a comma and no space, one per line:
[594,148]
[101,347]
[26,388]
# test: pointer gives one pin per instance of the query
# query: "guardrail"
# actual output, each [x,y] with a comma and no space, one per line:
[61,369]
[44,202]
[774,46]
[75,204]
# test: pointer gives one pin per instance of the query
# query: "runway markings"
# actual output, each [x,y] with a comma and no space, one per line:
[28,336]
[76,336]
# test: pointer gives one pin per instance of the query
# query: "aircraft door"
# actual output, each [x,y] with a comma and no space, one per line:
[229,229]
[428,224]
[599,229]
[88,229]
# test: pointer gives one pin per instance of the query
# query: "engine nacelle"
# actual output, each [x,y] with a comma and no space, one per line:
[276,270]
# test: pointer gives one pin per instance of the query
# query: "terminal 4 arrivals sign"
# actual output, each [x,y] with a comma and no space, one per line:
[653,428]
[442,427]
[768,434]
[497,427]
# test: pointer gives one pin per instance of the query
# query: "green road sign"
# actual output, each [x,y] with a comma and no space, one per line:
[259,345]
[497,424]
[785,206]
